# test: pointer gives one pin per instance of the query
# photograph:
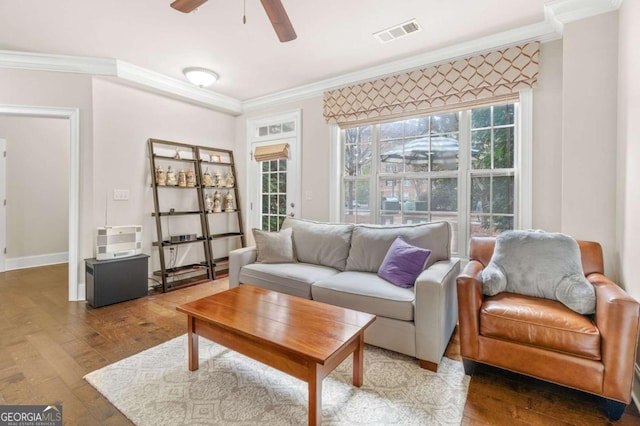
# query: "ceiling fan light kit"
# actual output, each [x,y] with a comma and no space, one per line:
[201,77]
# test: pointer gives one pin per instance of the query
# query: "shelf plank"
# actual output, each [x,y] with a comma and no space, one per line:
[194,212]
[177,187]
[183,270]
[166,157]
[166,243]
[225,235]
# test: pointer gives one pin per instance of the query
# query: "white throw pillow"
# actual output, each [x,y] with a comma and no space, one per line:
[274,247]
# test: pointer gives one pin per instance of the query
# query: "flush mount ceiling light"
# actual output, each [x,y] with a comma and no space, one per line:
[201,77]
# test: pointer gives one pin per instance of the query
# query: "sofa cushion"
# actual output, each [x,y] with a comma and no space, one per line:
[290,278]
[320,243]
[540,264]
[403,263]
[370,243]
[539,322]
[366,292]
[274,247]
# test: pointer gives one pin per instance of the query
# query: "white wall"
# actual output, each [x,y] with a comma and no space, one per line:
[628,211]
[547,140]
[38,186]
[315,147]
[124,118]
[589,120]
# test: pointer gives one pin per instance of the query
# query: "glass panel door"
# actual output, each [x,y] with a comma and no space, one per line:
[273,196]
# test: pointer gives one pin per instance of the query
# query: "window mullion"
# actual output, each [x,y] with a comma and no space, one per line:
[464,181]
[374,179]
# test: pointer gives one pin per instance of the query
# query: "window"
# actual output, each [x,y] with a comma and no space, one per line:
[274,194]
[455,166]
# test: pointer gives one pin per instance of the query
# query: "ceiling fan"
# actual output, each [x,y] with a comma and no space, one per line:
[275,11]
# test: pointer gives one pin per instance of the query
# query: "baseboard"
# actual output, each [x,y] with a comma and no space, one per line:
[635,392]
[82,291]
[34,261]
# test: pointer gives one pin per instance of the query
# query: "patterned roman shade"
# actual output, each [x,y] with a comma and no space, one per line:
[458,84]
[271,152]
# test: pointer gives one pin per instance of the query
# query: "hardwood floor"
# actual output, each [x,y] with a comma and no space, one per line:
[48,344]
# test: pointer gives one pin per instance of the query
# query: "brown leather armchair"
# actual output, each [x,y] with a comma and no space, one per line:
[544,339]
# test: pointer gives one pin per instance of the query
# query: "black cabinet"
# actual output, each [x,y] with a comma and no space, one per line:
[116,280]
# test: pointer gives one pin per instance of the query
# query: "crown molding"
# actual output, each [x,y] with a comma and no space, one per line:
[57,63]
[543,31]
[565,11]
[122,72]
[160,83]
[557,14]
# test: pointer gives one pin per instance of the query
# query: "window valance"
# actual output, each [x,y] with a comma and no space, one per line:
[457,84]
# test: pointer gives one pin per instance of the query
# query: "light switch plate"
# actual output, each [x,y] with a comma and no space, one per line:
[121,194]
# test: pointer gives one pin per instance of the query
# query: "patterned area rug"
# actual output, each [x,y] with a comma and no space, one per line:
[155,387]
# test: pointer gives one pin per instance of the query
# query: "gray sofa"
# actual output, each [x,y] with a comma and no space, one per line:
[338,264]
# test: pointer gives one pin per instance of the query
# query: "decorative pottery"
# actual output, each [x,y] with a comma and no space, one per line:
[171,177]
[161,179]
[217,202]
[207,180]
[228,202]
[191,178]
[230,180]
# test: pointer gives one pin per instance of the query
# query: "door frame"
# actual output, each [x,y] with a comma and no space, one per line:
[3,206]
[73,115]
[294,139]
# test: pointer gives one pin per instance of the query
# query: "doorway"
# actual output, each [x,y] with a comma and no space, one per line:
[274,182]
[73,117]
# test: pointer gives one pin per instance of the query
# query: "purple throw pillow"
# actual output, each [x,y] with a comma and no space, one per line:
[403,263]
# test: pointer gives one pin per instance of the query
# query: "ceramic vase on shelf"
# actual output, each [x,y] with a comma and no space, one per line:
[207,180]
[182,179]
[230,180]
[171,177]
[160,176]
[228,203]
[217,202]
[191,178]
[208,203]
[219,181]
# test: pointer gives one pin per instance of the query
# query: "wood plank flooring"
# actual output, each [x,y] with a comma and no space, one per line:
[48,344]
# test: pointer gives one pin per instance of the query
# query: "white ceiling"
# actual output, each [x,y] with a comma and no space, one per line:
[334,36]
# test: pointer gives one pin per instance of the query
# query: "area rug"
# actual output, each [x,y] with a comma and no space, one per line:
[155,387]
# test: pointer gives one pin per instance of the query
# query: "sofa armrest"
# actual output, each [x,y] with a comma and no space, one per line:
[469,303]
[237,259]
[617,316]
[435,309]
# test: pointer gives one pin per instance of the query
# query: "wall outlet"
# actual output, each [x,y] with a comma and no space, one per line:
[121,194]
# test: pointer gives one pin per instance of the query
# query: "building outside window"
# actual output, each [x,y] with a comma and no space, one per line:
[456,166]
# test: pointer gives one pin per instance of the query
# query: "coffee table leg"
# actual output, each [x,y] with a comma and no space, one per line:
[315,398]
[358,362]
[193,344]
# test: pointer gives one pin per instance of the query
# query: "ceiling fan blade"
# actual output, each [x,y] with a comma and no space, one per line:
[279,19]
[187,6]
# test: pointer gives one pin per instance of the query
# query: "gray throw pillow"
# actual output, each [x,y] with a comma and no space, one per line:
[274,247]
[370,243]
[325,244]
[539,264]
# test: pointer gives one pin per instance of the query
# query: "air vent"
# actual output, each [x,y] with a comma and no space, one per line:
[398,31]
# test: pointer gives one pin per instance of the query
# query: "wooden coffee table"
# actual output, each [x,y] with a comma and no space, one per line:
[300,337]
